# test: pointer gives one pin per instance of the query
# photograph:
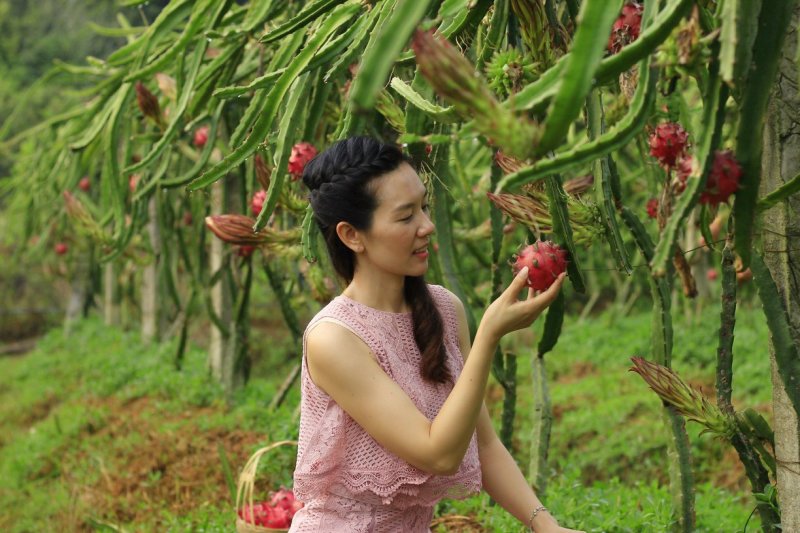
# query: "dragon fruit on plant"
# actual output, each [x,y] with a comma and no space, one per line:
[201,136]
[723,180]
[626,28]
[257,202]
[302,153]
[652,208]
[668,143]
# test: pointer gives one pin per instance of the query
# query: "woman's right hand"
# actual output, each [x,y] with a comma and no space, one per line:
[508,313]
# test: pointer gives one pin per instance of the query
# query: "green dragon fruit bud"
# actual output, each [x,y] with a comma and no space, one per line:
[83,219]
[531,210]
[508,72]
[386,106]
[537,33]
[455,79]
[686,400]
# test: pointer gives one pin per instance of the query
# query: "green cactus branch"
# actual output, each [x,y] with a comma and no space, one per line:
[773,22]
[779,195]
[613,139]
[787,357]
[337,18]
[384,46]
[283,149]
[604,195]
[444,115]
[309,13]
[594,25]
[727,323]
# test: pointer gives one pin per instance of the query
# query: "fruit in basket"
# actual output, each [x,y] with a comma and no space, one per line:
[276,513]
[284,498]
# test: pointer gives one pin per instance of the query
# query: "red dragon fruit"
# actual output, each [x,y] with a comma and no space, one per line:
[85,184]
[627,27]
[302,153]
[682,173]
[285,499]
[245,251]
[652,207]
[257,202]
[545,261]
[723,180]
[201,136]
[668,143]
[276,513]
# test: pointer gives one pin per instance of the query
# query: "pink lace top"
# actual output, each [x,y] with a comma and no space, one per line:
[347,480]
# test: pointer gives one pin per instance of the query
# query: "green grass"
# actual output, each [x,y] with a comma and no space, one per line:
[60,431]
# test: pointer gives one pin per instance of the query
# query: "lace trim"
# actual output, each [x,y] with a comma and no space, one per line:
[383,488]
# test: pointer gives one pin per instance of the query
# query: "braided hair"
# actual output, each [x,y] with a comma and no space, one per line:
[338,180]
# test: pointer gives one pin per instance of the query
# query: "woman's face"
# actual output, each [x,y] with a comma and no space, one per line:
[398,241]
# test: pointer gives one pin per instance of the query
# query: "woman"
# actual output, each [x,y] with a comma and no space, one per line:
[392,415]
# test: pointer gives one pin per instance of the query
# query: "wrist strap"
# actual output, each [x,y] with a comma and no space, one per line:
[535,512]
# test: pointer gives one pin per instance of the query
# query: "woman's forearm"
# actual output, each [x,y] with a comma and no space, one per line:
[454,426]
[504,482]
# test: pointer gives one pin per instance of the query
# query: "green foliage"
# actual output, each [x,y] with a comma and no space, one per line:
[600,453]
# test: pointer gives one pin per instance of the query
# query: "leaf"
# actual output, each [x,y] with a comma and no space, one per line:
[283,149]
[309,13]
[738,31]
[169,17]
[563,229]
[340,15]
[199,17]
[383,48]
[622,132]
[176,117]
[552,325]
[606,200]
[445,115]
[594,26]
[779,195]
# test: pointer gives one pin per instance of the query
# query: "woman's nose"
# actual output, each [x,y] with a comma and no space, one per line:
[427,227]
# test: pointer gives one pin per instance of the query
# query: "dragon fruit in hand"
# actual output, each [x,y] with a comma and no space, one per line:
[545,261]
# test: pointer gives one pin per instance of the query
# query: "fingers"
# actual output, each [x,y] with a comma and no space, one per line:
[517,283]
[547,296]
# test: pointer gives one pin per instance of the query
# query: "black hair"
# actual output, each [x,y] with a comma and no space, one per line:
[339,179]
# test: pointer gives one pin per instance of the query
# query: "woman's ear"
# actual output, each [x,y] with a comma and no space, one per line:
[350,236]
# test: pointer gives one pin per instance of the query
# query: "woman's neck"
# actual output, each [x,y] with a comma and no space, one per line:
[385,294]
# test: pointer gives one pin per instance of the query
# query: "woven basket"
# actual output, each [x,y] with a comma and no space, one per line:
[244,490]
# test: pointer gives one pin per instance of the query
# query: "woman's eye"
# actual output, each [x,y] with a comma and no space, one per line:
[426,208]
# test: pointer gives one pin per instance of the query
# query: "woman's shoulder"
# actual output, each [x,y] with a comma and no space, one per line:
[444,296]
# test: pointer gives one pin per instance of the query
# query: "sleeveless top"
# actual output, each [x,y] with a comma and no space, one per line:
[347,480]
